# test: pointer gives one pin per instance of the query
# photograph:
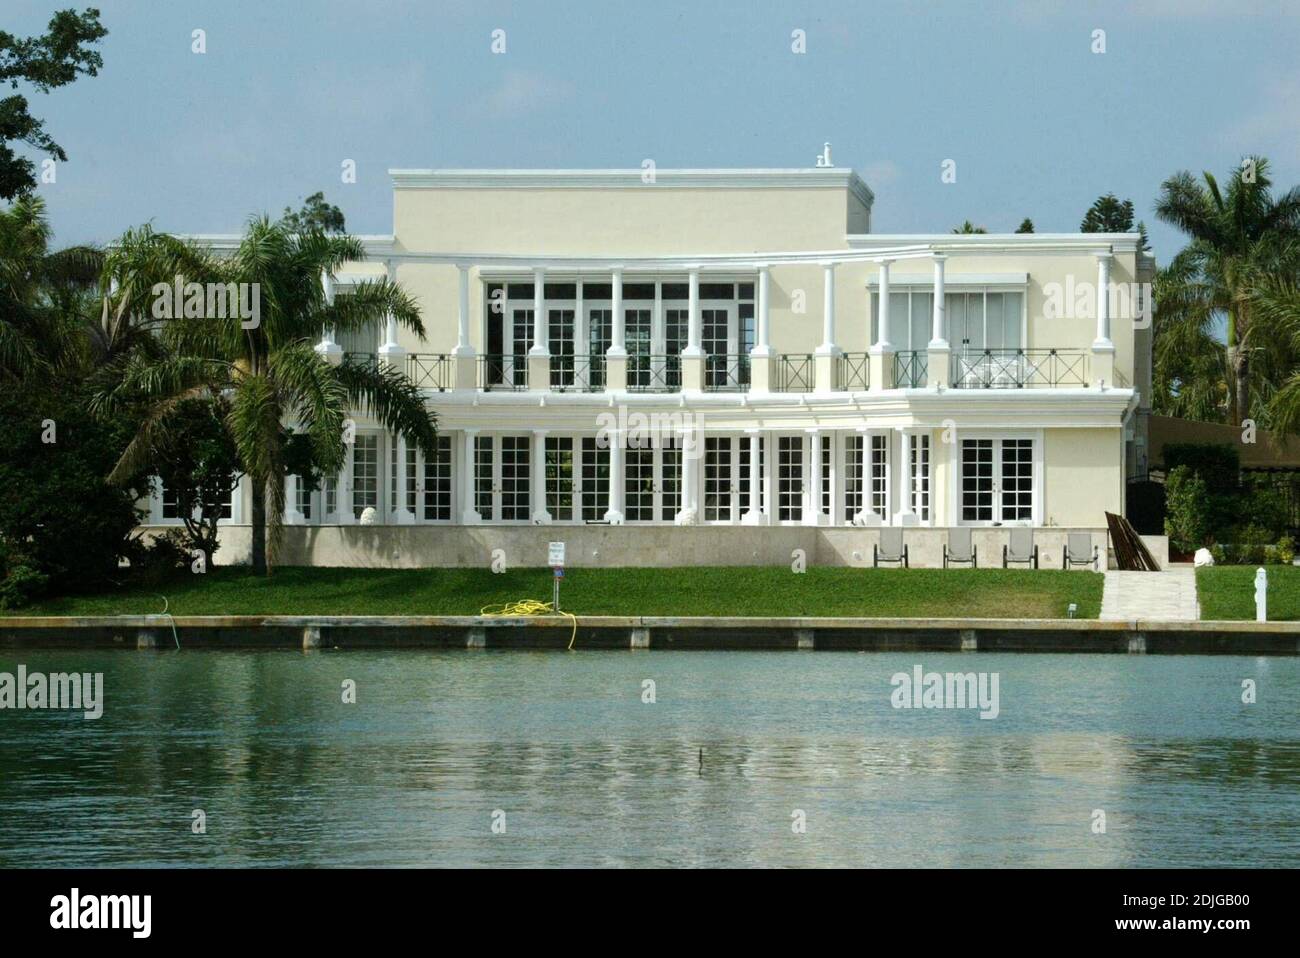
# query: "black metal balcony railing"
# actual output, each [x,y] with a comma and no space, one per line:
[654,373]
[795,373]
[1019,368]
[852,372]
[726,372]
[431,371]
[366,360]
[502,373]
[911,367]
[577,374]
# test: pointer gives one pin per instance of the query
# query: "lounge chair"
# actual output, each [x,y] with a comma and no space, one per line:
[959,547]
[1079,550]
[1021,547]
[890,548]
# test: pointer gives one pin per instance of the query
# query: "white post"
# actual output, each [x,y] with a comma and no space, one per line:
[539,313]
[347,515]
[828,347]
[468,513]
[618,345]
[937,338]
[813,515]
[691,443]
[541,516]
[864,456]
[693,315]
[1261,596]
[754,514]
[907,485]
[764,347]
[1103,302]
[401,515]
[292,516]
[463,348]
[329,350]
[882,343]
[614,516]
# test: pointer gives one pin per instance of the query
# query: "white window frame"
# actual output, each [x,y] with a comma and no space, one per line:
[997,435]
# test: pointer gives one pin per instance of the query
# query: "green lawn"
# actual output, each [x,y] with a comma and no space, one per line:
[775,591]
[1228,592]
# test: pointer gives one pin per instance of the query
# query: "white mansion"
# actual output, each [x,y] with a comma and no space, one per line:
[701,349]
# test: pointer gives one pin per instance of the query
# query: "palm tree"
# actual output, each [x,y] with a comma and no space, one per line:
[1237,240]
[270,375]
[43,294]
[1279,306]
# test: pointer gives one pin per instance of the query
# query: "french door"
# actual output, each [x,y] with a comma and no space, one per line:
[502,477]
[790,478]
[652,484]
[997,480]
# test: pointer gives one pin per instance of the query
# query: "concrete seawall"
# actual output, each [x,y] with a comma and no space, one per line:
[616,632]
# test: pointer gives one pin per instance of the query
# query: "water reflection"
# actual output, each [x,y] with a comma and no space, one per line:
[588,774]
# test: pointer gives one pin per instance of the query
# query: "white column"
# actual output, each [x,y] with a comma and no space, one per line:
[1103,302]
[693,316]
[539,313]
[346,515]
[401,514]
[828,347]
[754,514]
[463,348]
[882,343]
[938,340]
[764,345]
[468,513]
[614,516]
[864,497]
[582,345]
[291,514]
[618,345]
[908,483]
[541,515]
[813,501]
[327,348]
[692,448]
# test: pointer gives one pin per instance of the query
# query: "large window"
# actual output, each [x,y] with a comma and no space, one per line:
[789,478]
[976,319]
[997,480]
[919,481]
[435,489]
[559,478]
[365,473]
[595,480]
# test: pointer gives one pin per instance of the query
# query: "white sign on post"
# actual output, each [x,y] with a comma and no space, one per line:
[555,555]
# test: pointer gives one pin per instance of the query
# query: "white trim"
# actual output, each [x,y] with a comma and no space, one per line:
[953,279]
[606,179]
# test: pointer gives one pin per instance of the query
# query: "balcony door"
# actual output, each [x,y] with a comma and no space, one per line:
[998,481]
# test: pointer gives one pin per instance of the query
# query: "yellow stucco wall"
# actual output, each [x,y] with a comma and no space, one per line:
[1084,477]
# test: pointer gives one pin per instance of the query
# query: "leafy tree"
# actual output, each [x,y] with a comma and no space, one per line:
[270,374]
[198,464]
[315,214]
[1026,226]
[1186,519]
[969,227]
[1241,240]
[61,523]
[51,60]
[43,294]
[1109,215]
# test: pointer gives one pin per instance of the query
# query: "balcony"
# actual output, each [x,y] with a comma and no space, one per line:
[911,368]
[1020,368]
[654,374]
[794,373]
[502,373]
[852,372]
[431,371]
[577,374]
[726,372]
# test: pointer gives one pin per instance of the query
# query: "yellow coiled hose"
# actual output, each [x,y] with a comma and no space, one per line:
[523,607]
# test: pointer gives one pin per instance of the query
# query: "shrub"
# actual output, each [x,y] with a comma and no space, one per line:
[157,560]
[1186,509]
[20,580]
[1252,545]
[1286,550]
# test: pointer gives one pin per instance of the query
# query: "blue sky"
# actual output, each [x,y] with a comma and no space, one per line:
[1037,123]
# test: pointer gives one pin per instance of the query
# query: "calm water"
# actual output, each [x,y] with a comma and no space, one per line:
[589,775]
